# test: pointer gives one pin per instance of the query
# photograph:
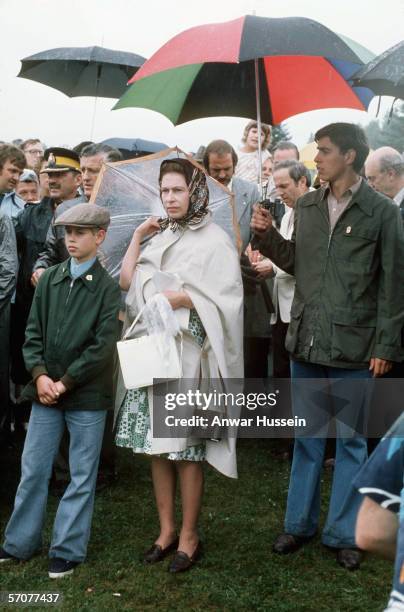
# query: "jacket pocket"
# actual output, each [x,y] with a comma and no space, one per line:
[353,334]
[357,244]
[296,316]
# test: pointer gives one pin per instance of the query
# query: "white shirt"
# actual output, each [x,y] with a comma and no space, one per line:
[399,197]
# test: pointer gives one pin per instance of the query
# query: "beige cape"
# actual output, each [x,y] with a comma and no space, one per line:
[204,261]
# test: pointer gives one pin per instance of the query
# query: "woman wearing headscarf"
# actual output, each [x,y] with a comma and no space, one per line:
[207,300]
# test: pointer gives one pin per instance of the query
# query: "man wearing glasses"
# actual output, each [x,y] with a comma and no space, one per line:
[34,152]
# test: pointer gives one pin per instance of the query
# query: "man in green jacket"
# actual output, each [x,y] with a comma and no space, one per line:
[70,340]
[346,254]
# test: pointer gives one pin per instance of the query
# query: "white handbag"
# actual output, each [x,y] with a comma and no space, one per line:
[148,357]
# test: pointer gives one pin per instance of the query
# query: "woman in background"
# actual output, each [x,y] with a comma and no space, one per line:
[248,161]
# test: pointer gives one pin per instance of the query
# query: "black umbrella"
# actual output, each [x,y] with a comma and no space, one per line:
[384,75]
[83,71]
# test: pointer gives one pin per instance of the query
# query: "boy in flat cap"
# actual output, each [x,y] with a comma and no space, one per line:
[70,339]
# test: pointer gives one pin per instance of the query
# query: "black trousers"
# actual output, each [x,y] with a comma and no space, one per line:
[256,352]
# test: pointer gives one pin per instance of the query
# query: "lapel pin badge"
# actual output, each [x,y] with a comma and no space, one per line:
[348,229]
[89,277]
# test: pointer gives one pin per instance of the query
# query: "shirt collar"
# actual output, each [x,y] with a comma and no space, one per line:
[77,269]
[351,191]
[399,197]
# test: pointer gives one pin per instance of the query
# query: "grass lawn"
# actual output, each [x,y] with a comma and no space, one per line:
[240,519]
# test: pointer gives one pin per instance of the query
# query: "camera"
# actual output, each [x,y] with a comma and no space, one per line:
[276,208]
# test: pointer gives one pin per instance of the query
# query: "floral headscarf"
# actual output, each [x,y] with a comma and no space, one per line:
[198,196]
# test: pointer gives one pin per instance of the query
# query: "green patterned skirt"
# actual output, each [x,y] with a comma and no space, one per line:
[133,424]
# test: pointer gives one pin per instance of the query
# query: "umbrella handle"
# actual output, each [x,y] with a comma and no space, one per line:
[258,103]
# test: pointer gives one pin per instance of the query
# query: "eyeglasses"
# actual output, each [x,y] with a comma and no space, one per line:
[34,151]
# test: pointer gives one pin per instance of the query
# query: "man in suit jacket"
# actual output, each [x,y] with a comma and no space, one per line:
[292,180]
[384,170]
[220,160]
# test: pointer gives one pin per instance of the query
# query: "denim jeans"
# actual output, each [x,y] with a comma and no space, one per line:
[303,505]
[71,529]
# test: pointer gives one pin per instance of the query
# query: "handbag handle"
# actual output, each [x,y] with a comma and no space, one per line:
[131,328]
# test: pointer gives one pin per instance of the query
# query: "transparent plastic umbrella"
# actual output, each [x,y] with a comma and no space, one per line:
[130,191]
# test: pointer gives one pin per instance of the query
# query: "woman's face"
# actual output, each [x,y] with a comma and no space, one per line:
[252,138]
[174,195]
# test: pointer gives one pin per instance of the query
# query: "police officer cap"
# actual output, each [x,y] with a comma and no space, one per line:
[61,160]
[85,215]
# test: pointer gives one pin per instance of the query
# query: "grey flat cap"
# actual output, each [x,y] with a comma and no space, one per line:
[85,215]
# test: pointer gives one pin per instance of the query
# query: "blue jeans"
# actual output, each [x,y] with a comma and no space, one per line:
[303,506]
[71,529]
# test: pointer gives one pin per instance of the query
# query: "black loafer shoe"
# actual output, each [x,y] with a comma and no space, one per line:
[156,553]
[182,562]
[349,558]
[287,543]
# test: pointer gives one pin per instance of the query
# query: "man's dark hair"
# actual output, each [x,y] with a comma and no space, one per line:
[219,147]
[286,145]
[347,136]
[296,170]
[110,154]
[12,154]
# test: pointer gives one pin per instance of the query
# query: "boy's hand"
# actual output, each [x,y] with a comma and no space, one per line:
[60,387]
[47,390]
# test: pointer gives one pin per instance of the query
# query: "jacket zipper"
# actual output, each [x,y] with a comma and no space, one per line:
[331,231]
[328,246]
[67,299]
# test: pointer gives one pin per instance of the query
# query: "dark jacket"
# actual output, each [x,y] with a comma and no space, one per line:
[8,260]
[31,228]
[71,334]
[349,298]
[54,250]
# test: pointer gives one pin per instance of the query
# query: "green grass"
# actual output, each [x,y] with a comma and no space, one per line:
[238,571]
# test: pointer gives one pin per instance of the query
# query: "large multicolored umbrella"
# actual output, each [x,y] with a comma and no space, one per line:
[288,65]
[384,74]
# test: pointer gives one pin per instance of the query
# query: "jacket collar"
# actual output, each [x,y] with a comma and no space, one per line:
[89,279]
[363,198]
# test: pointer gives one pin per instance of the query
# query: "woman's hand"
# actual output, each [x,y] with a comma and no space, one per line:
[148,227]
[178,299]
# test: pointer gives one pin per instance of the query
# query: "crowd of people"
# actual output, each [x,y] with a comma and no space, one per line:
[317,292]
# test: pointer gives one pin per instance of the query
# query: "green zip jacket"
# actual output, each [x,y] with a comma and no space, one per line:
[349,299]
[71,334]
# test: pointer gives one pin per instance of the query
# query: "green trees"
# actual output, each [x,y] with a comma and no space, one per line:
[389,130]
